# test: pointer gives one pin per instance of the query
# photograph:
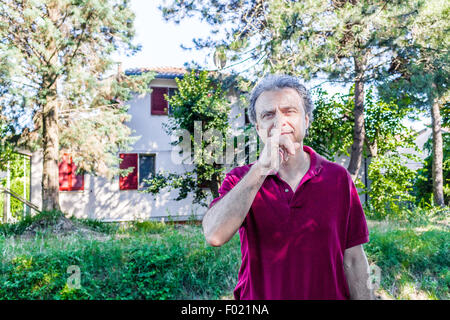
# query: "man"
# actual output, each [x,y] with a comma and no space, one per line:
[299,217]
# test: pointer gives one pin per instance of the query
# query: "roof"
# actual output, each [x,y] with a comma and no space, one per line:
[161,72]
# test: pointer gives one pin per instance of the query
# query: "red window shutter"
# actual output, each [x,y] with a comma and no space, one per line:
[129,182]
[68,180]
[64,173]
[77,182]
[159,104]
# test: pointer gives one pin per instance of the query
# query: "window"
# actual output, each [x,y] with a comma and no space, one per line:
[144,168]
[159,104]
[68,180]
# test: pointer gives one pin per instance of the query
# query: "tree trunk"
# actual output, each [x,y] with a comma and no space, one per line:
[50,134]
[214,185]
[358,129]
[438,155]
[50,174]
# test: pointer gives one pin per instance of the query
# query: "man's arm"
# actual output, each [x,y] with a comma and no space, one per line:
[356,269]
[225,217]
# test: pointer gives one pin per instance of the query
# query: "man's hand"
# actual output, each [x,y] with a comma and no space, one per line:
[277,149]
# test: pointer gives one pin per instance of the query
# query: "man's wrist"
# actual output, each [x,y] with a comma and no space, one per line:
[257,170]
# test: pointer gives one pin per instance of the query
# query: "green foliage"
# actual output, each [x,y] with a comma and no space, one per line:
[391,183]
[331,134]
[6,148]
[19,168]
[391,179]
[199,99]
[305,38]
[418,73]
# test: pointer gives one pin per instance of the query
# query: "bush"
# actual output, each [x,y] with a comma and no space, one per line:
[391,181]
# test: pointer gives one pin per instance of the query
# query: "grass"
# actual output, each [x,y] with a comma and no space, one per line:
[142,261]
[153,260]
[414,259]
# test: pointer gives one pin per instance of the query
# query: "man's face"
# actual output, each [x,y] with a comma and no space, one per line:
[282,109]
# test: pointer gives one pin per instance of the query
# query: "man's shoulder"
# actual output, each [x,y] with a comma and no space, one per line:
[333,168]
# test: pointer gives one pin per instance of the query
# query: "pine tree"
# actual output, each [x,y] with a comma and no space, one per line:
[419,72]
[57,56]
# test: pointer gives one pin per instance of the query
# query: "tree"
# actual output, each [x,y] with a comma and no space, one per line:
[57,59]
[346,40]
[200,110]
[419,71]
[390,179]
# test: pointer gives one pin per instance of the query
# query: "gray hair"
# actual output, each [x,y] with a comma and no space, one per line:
[277,82]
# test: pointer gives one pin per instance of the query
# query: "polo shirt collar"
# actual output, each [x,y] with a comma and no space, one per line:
[316,161]
[315,165]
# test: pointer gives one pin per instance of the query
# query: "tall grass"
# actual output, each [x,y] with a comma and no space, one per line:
[152,260]
[414,260]
[175,263]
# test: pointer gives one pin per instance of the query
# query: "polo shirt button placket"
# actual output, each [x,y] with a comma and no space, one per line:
[288,194]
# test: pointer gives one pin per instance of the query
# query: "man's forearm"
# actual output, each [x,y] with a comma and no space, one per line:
[357,275]
[222,221]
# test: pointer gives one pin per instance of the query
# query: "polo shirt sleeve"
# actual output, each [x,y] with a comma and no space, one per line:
[357,231]
[228,183]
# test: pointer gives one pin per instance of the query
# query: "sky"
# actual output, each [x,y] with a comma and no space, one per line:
[161,43]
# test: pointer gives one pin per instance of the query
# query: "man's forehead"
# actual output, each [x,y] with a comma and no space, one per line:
[286,97]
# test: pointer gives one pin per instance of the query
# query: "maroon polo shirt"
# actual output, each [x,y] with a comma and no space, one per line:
[293,243]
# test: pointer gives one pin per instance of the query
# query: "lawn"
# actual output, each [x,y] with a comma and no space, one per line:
[152,260]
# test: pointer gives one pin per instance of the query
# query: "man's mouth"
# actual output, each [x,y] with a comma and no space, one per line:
[286,133]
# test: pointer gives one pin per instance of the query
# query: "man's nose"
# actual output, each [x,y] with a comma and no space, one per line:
[279,120]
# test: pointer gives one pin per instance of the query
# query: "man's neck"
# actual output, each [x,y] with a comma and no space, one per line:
[296,165]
